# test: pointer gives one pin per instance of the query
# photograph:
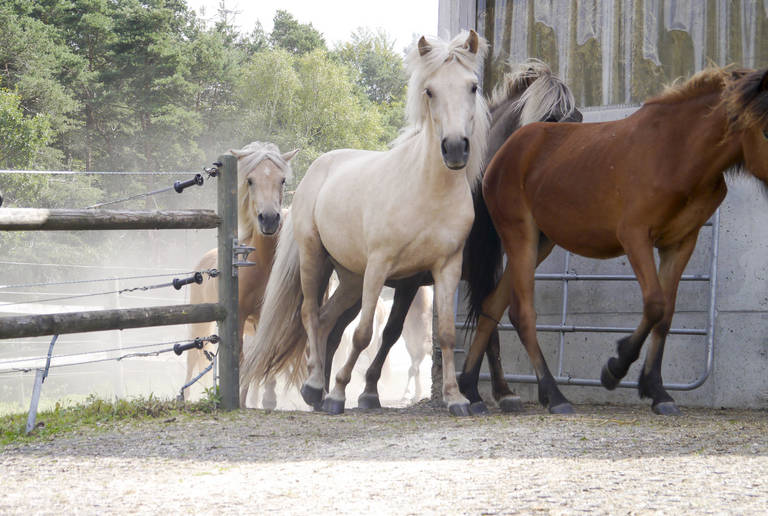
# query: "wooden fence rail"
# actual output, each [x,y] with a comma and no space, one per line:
[31,219]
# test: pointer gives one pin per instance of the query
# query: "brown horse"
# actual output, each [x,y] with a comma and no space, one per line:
[262,172]
[606,189]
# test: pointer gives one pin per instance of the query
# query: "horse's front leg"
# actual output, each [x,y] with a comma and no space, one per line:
[672,262]
[375,275]
[446,277]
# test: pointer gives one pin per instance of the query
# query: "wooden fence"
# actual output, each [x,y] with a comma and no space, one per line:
[224,312]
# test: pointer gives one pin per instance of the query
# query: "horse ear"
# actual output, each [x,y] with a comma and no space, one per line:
[289,155]
[424,47]
[472,42]
[236,153]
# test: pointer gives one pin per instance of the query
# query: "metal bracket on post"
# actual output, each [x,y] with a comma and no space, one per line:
[40,377]
[240,256]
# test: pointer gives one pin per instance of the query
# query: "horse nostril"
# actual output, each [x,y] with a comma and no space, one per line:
[466,145]
[443,148]
[260,217]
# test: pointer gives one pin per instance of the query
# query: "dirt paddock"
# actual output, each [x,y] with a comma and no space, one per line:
[604,460]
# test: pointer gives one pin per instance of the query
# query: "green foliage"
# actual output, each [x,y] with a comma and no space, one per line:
[21,138]
[297,38]
[96,413]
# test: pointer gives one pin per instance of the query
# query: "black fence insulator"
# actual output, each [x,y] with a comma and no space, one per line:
[179,186]
[195,278]
[195,344]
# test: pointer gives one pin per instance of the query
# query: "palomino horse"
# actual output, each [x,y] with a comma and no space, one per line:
[380,215]
[262,172]
[529,93]
[606,189]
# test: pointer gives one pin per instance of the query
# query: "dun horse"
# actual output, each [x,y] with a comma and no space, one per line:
[606,189]
[262,172]
[529,93]
[379,215]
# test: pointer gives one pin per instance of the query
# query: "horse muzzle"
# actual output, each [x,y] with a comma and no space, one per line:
[455,152]
[269,222]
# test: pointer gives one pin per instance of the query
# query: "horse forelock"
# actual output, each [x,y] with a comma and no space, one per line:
[249,158]
[421,68]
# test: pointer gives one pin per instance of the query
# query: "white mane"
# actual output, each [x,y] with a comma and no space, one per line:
[542,93]
[416,109]
[249,158]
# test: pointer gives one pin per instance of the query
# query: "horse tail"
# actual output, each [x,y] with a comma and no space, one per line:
[483,256]
[280,340]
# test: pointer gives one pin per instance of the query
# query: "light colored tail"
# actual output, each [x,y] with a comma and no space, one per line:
[280,341]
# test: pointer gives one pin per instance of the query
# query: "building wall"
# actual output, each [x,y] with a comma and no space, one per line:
[621,52]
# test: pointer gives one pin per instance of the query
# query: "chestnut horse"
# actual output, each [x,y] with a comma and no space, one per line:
[375,216]
[602,190]
[262,172]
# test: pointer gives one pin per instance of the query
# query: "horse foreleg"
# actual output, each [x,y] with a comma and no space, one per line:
[369,399]
[446,281]
[269,399]
[671,266]
[639,250]
[373,281]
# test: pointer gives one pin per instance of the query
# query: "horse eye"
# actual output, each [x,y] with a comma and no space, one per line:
[428,92]
[765,133]
[282,182]
[474,88]
[250,182]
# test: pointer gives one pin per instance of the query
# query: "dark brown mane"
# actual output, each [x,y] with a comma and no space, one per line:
[746,99]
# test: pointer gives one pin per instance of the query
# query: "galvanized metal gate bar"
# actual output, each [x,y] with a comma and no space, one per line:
[564,328]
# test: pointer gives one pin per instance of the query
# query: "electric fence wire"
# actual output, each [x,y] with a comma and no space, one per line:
[212,273]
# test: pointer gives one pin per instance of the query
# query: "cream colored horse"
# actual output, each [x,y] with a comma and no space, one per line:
[379,215]
[262,173]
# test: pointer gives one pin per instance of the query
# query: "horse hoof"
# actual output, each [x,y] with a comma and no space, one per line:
[459,409]
[332,406]
[607,378]
[666,408]
[269,405]
[563,408]
[478,408]
[511,404]
[311,395]
[368,402]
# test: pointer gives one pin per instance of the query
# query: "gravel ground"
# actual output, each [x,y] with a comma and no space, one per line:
[604,460]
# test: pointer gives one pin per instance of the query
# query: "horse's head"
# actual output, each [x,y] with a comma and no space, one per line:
[262,172]
[443,93]
[747,102]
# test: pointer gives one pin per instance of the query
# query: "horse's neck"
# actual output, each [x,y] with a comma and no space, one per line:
[264,247]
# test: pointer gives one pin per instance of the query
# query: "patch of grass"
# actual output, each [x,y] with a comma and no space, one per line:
[96,412]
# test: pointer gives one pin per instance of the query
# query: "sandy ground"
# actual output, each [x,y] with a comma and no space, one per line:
[418,460]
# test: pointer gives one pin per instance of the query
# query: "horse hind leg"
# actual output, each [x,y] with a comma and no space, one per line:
[369,399]
[507,400]
[671,266]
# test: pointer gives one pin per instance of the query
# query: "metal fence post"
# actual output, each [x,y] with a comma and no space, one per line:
[229,355]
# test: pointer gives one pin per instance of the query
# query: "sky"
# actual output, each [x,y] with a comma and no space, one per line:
[336,19]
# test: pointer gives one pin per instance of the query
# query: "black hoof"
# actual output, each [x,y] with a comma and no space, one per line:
[511,404]
[666,408]
[478,408]
[563,408]
[607,378]
[311,395]
[332,406]
[459,409]
[368,402]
